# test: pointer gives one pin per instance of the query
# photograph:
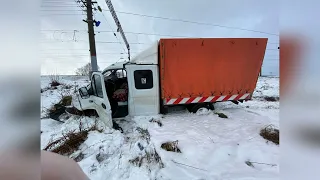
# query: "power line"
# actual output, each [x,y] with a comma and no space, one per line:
[61,14]
[117,38]
[152,34]
[53,10]
[53,6]
[141,33]
[55,1]
[82,41]
[58,3]
[109,42]
[87,49]
[68,50]
[64,49]
[118,42]
[78,4]
[193,22]
[62,60]
[81,7]
[168,35]
[76,54]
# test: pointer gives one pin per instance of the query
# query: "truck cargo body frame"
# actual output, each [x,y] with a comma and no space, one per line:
[192,73]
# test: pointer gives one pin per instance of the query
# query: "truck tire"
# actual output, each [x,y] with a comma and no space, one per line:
[164,110]
[211,106]
[193,108]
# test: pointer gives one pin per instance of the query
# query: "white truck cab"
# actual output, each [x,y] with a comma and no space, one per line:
[124,88]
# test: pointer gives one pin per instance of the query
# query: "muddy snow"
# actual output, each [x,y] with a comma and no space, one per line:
[211,147]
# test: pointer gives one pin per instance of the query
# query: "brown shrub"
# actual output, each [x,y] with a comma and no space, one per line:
[70,142]
[270,133]
[149,158]
[66,100]
[55,80]
[156,121]
[221,115]
[171,146]
[271,98]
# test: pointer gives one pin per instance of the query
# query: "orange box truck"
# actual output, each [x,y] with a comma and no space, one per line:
[193,73]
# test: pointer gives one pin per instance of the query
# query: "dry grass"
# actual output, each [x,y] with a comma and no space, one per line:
[150,155]
[55,80]
[171,146]
[144,133]
[250,163]
[58,109]
[148,158]
[67,86]
[271,98]
[48,88]
[70,142]
[156,121]
[79,157]
[136,161]
[86,112]
[74,111]
[221,115]
[66,100]
[55,111]
[270,133]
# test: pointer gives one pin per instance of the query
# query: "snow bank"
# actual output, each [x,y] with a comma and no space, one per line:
[212,147]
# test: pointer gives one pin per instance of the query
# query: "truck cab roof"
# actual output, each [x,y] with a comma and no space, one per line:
[118,65]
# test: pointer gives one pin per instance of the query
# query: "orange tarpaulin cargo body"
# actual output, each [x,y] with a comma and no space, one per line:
[209,67]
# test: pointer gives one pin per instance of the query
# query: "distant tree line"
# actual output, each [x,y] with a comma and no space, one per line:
[84,70]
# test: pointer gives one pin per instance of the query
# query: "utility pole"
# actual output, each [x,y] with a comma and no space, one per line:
[92,42]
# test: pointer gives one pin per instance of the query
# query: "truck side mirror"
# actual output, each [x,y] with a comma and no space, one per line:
[84,93]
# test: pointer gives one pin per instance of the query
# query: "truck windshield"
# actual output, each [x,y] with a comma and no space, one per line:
[120,73]
[107,73]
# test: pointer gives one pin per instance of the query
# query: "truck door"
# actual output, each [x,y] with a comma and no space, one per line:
[143,85]
[100,99]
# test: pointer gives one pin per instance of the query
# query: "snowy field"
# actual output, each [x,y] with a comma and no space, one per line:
[212,148]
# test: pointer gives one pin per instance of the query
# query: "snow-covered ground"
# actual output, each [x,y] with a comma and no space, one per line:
[211,147]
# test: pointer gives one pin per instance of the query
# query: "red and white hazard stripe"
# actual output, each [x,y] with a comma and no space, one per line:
[190,100]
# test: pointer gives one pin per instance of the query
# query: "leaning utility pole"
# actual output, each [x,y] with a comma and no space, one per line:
[116,20]
[92,42]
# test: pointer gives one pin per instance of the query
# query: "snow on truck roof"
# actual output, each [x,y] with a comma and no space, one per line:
[118,65]
[148,56]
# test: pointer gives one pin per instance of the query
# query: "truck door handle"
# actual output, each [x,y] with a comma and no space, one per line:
[90,101]
[103,106]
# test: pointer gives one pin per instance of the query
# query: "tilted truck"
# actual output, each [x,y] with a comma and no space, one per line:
[192,73]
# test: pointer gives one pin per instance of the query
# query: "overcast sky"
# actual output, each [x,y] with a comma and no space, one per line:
[65,50]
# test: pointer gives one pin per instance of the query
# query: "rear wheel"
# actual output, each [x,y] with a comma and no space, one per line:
[211,106]
[194,108]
